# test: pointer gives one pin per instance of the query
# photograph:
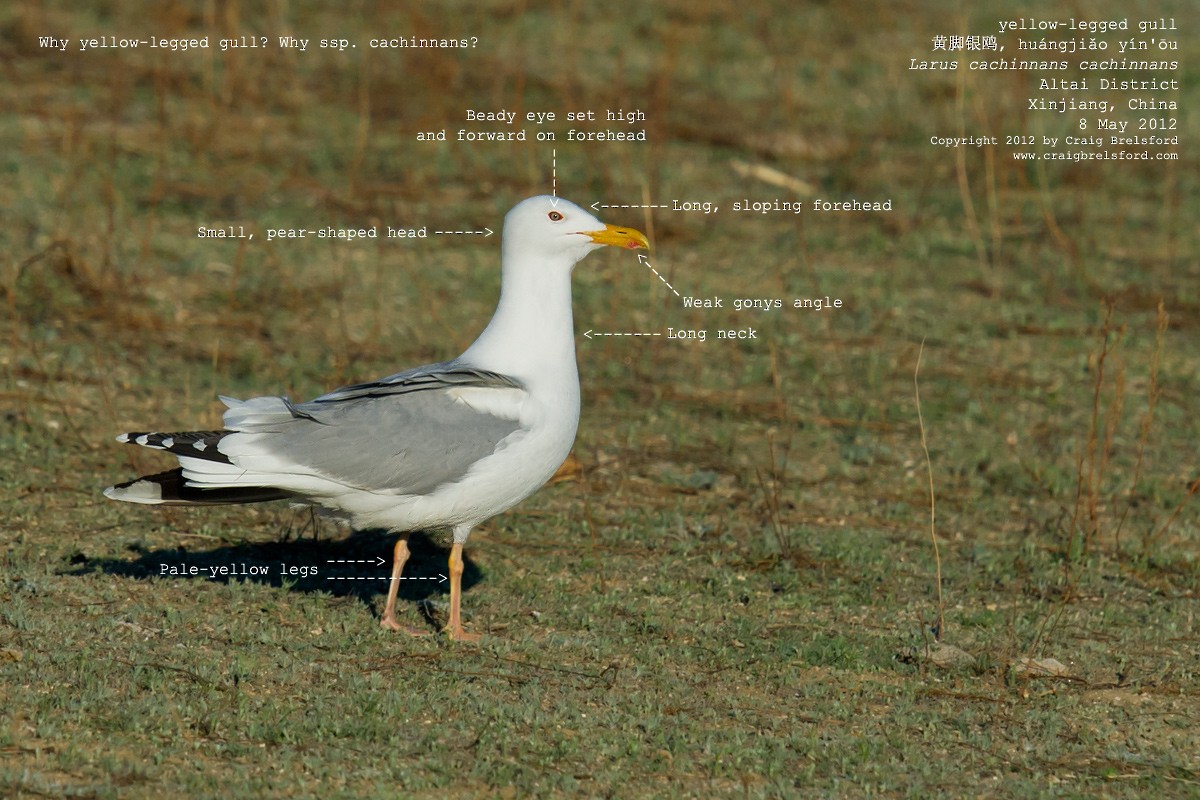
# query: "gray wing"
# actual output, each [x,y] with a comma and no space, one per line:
[406,433]
[443,375]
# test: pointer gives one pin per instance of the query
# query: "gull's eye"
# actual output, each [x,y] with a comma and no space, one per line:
[555,216]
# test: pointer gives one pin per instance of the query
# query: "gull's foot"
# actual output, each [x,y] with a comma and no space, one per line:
[392,624]
[457,634]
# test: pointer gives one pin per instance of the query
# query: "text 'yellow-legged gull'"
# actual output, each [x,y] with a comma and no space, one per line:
[446,445]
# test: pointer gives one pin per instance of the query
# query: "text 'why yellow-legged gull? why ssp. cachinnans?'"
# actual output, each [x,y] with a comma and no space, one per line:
[447,445]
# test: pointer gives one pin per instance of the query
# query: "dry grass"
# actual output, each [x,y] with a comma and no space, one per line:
[730,594]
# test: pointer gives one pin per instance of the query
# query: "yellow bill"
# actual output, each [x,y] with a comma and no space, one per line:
[620,237]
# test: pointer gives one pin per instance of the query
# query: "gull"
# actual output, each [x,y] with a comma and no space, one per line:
[445,445]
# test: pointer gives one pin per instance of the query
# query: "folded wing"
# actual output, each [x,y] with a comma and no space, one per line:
[406,434]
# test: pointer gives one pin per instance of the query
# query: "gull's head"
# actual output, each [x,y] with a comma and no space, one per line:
[553,228]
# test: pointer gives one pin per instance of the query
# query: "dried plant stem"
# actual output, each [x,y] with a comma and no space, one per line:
[1093,462]
[964,184]
[771,500]
[939,628]
[1193,488]
[1152,395]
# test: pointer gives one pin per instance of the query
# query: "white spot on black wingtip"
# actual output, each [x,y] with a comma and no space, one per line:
[200,445]
[167,443]
[123,438]
[139,491]
[143,440]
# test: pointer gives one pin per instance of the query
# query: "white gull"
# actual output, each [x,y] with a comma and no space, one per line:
[446,445]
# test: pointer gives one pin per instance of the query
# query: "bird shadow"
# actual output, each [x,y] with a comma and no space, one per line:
[357,567]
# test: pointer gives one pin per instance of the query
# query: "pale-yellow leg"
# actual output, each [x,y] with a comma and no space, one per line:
[454,627]
[399,556]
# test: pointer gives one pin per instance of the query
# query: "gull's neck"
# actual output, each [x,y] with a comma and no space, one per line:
[531,336]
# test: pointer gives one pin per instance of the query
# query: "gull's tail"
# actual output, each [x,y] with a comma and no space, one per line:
[170,488]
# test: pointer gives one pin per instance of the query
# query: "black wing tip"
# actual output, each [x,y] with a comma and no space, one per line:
[194,444]
[170,488]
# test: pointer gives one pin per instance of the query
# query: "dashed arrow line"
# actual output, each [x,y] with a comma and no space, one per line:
[590,334]
[377,561]
[554,176]
[646,261]
[485,232]
[439,578]
[596,206]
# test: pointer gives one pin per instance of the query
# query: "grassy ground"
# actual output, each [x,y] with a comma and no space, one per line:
[733,592]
